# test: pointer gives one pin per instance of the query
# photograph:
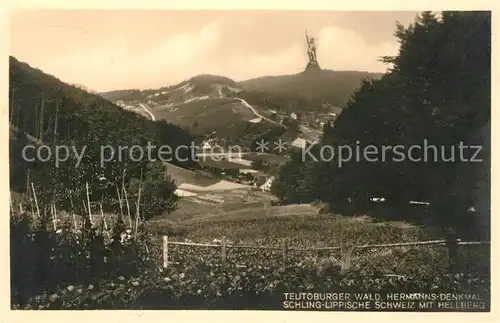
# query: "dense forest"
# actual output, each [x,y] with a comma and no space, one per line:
[333,87]
[46,111]
[436,92]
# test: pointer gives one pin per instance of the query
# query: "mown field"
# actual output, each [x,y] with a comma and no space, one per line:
[221,164]
[181,175]
[302,226]
[196,277]
[255,277]
[271,158]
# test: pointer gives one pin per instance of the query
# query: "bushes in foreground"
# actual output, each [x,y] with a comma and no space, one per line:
[198,280]
[42,259]
[255,287]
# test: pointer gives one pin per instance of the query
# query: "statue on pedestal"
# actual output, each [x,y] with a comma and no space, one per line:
[311,52]
[311,48]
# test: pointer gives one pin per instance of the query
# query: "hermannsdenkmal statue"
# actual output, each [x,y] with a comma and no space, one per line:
[311,52]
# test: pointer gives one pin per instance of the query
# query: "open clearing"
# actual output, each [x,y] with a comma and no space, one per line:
[192,182]
[219,186]
[181,175]
[208,203]
[221,164]
[247,216]
[270,158]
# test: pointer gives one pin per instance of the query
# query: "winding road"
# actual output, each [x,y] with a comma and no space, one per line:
[142,105]
[246,104]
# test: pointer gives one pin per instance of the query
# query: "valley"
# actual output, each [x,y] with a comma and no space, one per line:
[251,109]
[240,218]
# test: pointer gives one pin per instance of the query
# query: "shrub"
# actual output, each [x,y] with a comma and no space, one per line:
[42,259]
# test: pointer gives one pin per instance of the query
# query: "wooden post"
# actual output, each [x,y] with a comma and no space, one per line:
[88,202]
[28,193]
[452,245]
[126,198]
[55,125]
[128,208]
[165,251]
[224,250]
[285,253]
[36,201]
[28,183]
[345,254]
[73,211]
[137,208]
[54,216]
[120,201]
[104,220]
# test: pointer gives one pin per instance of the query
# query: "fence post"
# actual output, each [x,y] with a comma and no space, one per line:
[345,258]
[224,250]
[452,245]
[165,251]
[285,252]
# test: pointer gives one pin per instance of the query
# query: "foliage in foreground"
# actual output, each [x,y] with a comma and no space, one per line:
[206,285]
[256,279]
[43,259]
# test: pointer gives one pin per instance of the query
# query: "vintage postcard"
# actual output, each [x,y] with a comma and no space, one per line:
[320,161]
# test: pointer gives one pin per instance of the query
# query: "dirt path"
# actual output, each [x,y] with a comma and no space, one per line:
[142,105]
[246,104]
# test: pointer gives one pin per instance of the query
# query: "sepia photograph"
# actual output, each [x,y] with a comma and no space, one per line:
[305,160]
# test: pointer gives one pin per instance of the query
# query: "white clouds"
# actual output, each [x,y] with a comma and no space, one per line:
[124,64]
[340,49]
[185,47]
[117,66]
[209,35]
[128,49]
[337,49]
[288,61]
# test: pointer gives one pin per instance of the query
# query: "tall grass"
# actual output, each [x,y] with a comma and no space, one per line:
[50,249]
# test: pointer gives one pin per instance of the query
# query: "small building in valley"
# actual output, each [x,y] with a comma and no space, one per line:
[266,187]
[299,143]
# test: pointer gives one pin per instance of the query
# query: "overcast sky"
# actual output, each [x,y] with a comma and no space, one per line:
[107,50]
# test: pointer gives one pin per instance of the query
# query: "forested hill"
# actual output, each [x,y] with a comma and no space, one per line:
[437,95]
[55,113]
[334,87]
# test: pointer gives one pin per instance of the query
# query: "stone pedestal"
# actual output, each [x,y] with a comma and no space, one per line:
[312,66]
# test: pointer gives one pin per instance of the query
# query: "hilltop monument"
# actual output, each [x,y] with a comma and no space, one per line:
[311,52]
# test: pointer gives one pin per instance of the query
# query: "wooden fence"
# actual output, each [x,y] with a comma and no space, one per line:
[345,250]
